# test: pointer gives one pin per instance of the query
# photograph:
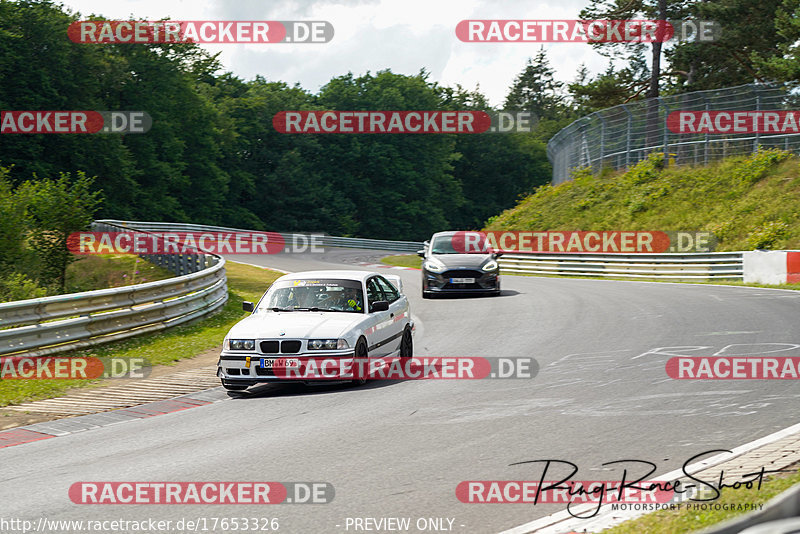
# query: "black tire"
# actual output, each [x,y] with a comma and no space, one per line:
[361,353]
[407,344]
[234,387]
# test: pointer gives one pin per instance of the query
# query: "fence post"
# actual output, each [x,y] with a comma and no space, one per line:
[758,108]
[602,140]
[628,136]
[706,143]
[666,131]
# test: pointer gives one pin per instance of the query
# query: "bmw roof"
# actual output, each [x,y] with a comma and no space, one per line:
[345,275]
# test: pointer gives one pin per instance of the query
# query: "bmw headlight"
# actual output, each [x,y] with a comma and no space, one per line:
[327,344]
[491,265]
[433,266]
[241,344]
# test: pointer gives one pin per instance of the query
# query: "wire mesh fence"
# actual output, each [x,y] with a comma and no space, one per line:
[620,136]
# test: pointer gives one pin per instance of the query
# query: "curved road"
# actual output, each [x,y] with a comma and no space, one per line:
[399,449]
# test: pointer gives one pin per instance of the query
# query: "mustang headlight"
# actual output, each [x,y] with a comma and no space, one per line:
[240,344]
[327,344]
[433,266]
[491,265]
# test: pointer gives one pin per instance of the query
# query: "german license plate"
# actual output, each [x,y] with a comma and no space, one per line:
[269,363]
[462,280]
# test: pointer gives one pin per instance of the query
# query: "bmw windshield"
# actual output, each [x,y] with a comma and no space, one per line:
[314,295]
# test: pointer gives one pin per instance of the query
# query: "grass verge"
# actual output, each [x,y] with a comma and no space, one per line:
[163,348]
[403,260]
[748,202]
[687,520]
[105,271]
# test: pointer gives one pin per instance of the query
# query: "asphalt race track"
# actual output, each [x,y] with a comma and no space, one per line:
[400,448]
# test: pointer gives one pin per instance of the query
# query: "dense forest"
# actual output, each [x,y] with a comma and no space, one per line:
[212,155]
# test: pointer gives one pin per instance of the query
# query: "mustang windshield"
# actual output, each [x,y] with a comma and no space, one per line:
[314,295]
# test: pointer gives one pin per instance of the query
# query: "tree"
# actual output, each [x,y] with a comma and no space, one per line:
[781,62]
[57,209]
[536,89]
[12,223]
[611,87]
[636,9]
[748,46]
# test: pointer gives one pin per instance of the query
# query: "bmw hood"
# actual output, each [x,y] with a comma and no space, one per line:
[295,325]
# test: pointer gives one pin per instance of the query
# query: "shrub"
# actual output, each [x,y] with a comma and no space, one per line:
[17,286]
[767,235]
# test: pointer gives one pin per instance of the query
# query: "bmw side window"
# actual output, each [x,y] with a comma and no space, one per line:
[374,292]
[388,289]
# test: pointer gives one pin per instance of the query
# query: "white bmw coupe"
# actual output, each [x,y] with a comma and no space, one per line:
[355,315]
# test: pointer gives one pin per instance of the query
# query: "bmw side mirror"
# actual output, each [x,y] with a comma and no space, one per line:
[421,253]
[379,305]
[247,306]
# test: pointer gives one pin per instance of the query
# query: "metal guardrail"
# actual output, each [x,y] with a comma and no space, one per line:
[712,265]
[779,516]
[48,325]
[65,322]
[622,135]
[324,240]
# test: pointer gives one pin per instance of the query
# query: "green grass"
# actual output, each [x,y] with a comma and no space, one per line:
[748,202]
[105,271]
[683,520]
[87,273]
[164,348]
[403,260]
